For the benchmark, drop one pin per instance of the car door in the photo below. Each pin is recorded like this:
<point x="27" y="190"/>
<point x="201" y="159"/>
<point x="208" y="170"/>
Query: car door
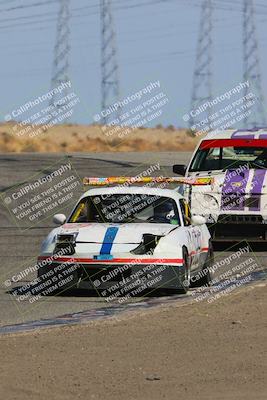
<point x="194" y="235"/>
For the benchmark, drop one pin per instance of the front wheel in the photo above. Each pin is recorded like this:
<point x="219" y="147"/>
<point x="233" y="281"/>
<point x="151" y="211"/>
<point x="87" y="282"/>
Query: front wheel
<point x="184" y="275"/>
<point x="205" y="278"/>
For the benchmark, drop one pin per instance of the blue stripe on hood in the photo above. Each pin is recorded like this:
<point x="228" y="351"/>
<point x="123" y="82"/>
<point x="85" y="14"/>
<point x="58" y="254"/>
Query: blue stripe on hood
<point x="108" y="240"/>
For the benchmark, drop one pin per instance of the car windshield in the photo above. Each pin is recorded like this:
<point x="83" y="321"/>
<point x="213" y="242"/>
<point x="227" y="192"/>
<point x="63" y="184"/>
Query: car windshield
<point x="216" y="157"/>
<point x="126" y="208"/>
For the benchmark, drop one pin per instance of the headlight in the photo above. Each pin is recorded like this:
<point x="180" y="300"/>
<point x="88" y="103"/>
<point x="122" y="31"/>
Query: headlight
<point x="205" y="201"/>
<point x="66" y="243"/>
<point x="148" y="244"/>
<point x="63" y="238"/>
<point x="211" y="202"/>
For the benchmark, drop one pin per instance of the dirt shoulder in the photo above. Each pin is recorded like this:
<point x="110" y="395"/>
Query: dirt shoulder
<point x="200" y="351"/>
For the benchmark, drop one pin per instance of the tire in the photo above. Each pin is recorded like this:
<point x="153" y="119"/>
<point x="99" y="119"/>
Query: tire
<point x="206" y="278"/>
<point x="184" y="275"/>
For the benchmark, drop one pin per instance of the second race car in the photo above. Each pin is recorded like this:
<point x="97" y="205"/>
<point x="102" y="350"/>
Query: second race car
<point x="235" y="205"/>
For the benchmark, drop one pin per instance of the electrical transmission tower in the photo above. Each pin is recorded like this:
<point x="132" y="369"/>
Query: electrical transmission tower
<point x="202" y="86"/>
<point x="252" y="67"/>
<point x="60" y="74"/>
<point x="109" y="65"/>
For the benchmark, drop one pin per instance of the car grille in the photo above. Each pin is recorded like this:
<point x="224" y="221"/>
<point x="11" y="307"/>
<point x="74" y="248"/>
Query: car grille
<point x="253" y="202"/>
<point x="240" y="219"/>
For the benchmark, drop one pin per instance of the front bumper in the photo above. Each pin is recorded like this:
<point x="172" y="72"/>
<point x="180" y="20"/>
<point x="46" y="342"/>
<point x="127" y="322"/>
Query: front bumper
<point x="123" y="275"/>
<point x="236" y="227"/>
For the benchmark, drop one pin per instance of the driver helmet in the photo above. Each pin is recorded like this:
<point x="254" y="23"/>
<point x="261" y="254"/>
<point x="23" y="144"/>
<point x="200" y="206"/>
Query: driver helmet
<point x="164" y="209"/>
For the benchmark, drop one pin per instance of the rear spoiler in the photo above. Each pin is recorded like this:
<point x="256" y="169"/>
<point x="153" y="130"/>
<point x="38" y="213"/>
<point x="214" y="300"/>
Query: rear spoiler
<point x="120" y="180"/>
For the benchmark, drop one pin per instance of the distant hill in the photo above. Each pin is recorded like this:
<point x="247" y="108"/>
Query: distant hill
<point x="92" y="138"/>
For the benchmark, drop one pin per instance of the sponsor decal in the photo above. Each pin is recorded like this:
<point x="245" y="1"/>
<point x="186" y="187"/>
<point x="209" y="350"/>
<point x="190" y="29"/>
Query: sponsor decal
<point x="234" y="190"/>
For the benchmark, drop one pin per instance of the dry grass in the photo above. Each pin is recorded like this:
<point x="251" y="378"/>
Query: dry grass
<point x="90" y="138"/>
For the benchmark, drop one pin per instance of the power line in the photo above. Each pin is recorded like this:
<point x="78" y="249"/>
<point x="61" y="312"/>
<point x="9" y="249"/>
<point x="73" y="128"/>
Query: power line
<point x="109" y="64"/>
<point x="60" y="74"/>
<point x="82" y="9"/>
<point x="37" y="4"/>
<point x="252" y="67"/>
<point x="202" y="91"/>
<point x="96" y="12"/>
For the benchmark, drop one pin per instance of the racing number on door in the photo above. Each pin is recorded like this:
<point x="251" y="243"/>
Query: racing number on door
<point x="197" y="238"/>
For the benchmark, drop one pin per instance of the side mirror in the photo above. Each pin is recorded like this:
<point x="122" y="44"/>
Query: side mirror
<point x="59" y="219"/>
<point x="198" y="220"/>
<point x="179" y="169"/>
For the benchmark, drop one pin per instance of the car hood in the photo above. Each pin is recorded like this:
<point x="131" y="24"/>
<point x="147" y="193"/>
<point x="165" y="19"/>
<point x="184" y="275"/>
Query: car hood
<point x="115" y="233"/>
<point x="253" y="181"/>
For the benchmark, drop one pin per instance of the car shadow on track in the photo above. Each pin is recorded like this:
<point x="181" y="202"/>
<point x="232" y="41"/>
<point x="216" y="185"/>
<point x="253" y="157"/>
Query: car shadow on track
<point x="87" y="293"/>
<point x="230" y="246"/>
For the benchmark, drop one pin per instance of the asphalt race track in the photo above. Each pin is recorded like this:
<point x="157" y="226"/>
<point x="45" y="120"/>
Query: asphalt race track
<point x="21" y="246"/>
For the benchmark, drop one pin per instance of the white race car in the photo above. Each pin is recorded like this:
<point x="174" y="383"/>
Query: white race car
<point x="235" y="205"/>
<point x="137" y="236"/>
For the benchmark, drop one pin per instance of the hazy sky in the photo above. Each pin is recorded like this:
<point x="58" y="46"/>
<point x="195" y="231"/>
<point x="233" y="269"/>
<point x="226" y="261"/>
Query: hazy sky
<point x="155" y="42"/>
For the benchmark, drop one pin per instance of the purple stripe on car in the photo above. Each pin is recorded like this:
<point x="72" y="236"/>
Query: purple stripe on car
<point x="246" y="135"/>
<point x="235" y="135"/>
<point x="256" y="189"/>
<point x="233" y="190"/>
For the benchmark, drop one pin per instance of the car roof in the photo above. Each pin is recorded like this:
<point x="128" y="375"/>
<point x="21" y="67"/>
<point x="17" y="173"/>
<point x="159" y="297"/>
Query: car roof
<point x="227" y="134"/>
<point x="173" y="194"/>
